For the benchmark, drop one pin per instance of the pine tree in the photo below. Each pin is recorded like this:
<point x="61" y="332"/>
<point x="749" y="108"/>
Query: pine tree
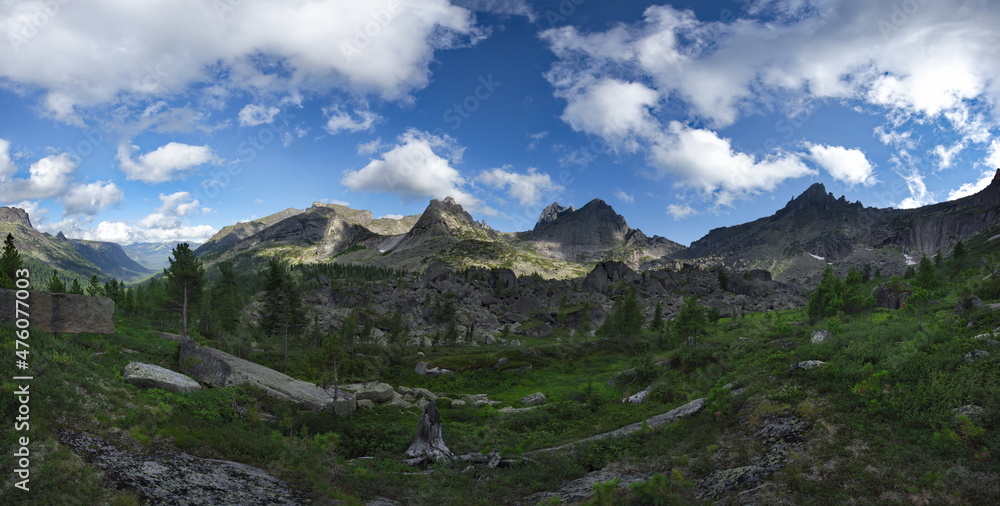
<point x="10" y="262"/>
<point x="56" y="284"/>
<point x="185" y="280"/>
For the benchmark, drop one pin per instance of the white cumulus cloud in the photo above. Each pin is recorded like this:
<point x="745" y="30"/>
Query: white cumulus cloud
<point x="254" y="114"/>
<point x="340" y="121"/>
<point x="681" y="211"/>
<point x="708" y="163"/>
<point x="414" y="169"/>
<point x="166" y="163"/>
<point x="91" y="198"/>
<point x="849" y="166"/>
<point x="973" y="188"/>
<point x="527" y="189"/>
<point x="47" y="177"/>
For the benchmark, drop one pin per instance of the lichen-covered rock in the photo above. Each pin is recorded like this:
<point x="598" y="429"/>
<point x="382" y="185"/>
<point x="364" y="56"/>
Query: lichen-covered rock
<point x="783" y="434"/>
<point x="180" y="479"/>
<point x="975" y="355"/>
<point x="806" y="365"/>
<point x="534" y="399"/>
<point x="819" y="336"/>
<point x="365" y="404"/>
<point x="154" y="376"/>
<point x="639" y="397"/>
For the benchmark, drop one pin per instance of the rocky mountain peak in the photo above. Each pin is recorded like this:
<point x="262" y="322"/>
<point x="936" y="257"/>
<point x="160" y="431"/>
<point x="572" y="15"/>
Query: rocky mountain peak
<point x="61" y="236"/>
<point x="14" y="215"/>
<point x="553" y="212"/>
<point x="814" y="198"/>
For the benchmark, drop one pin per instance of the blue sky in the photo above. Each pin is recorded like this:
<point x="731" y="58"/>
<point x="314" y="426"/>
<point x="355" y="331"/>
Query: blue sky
<point x="167" y="120"/>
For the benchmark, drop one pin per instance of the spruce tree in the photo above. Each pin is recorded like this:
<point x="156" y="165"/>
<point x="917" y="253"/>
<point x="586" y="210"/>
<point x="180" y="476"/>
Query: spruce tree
<point x="75" y="287"/>
<point x="10" y="262"/>
<point x="625" y="321"/>
<point x="185" y="280"/>
<point x="224" y="298"/>
<point x="926" y="277"/>
<point x="56" y="284"/>
<point x="94" y="287"/>
<point x="586" y="326"/>
<point x="283" y="312"/>
<point x="959" y="251"/>
<point x="691" y="321"/>
<point x="657" y="324"/>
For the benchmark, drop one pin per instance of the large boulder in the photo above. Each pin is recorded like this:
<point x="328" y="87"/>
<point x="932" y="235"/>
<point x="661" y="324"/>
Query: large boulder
<point x="219" y="369"/>
<point x="437" y="272"/>
<point x="154" y="376"/>
<point x="534" y="399"/>
<point x="342" y="402"/>
<point x="61" y="312"/>
<point x="379" y="393"/>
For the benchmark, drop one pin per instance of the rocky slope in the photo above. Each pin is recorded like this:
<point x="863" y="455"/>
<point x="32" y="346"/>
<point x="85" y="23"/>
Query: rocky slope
<point x="55" y="252"/>
<point x="233" y="234"/>
<point x="530" y="305"/>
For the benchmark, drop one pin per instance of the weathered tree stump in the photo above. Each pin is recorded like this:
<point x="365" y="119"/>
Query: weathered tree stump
<point x="429" y="446"/>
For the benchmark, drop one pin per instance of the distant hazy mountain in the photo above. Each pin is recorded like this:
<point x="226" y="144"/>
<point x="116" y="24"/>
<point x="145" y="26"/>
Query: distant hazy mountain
<point x="110" y="258"/>
<point x="152" y="255"/>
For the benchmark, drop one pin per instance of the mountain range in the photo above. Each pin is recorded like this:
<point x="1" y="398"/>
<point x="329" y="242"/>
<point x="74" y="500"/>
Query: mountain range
<point x="795" y="243"/>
